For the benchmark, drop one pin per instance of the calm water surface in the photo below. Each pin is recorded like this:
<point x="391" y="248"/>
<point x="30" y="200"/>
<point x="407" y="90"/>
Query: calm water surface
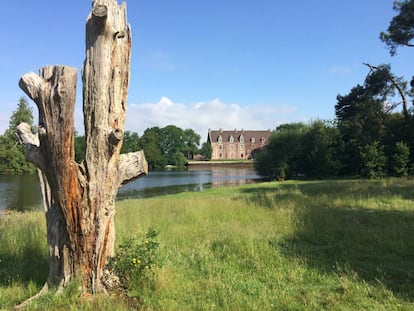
<point x="23" y="192"/>
<point x="20" y="192"/>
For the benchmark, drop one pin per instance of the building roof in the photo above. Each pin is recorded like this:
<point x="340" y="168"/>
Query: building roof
<point x="248" y="135"/>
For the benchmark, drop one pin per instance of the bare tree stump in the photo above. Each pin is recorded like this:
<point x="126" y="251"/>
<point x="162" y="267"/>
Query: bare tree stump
<point x="79" y="199"/>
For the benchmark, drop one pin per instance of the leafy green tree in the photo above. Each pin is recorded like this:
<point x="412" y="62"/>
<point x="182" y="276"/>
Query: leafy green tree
<point x="80" y="147"/>
<point x="280" y="159"/>
<point x="318" y="150"/>
<point x="177" y="159"/>
<point x="373" y="160"/>
<point x="12" y="155"/>
<point x="271" y="164"/>
<point x="362" y="116"/>
<point x="400" y="32"/>
<point x="353" y="126"/>
<point x="394" y="130"/>
<point x="150" y="142"/>
<point x="173" y="145"/>
<point x="206" y="150"/>
<point x="298" y="149"/>
<point x="23" y="113"/>
<point x="131" y="142"/>
<point x="192" y="142"/>
<point x="292" y="127"/>
<point x="168" y="145"/>
<point x="399" y="161"/>
<point x="384" y="85"/>
<point x="12" y="160"/>
<point x="398" y="130"/>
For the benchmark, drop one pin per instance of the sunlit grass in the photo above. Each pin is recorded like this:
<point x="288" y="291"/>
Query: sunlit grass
<point x="308" y="245"/>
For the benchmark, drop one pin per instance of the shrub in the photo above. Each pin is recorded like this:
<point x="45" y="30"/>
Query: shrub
<point x="400" y="159"/>
<point x="373" y="160"/>
<point x="135" y="261"/>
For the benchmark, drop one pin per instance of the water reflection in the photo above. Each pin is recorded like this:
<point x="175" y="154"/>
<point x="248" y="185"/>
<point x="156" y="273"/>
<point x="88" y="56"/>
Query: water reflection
<point x="19" y="192"/>
<point x="23" y="192"/>
<point x="157" y="191"/>
<point x="170" y="182"/>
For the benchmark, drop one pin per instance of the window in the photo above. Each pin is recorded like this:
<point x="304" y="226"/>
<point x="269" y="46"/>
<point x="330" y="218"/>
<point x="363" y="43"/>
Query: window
<point x="241" y="139"/>
<point x="241" y="147"/>
<point x="253" y="140"/>
<point x="231" y="139"/>
<point x="219" y="139"/>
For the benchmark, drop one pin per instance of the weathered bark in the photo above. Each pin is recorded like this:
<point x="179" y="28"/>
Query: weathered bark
<point x="54" y="92"/>
<point x="79" y="199"/>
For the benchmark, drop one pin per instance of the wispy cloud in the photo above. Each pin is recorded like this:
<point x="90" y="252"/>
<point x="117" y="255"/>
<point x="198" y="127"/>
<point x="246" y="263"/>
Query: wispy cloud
<point x="199" y="116"/>
<point x="339" y="70"/>
<point x="213" y="114"/>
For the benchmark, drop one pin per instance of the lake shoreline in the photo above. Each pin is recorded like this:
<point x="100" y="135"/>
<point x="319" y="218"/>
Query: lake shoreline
<point x="22" y="193"/>
<point x="197" y="165"/>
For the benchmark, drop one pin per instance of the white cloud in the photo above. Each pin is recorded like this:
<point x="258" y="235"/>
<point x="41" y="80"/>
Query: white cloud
<point x="199" y="116"/>
<point x="213" y="114"/>
<point x="339" y="70"/>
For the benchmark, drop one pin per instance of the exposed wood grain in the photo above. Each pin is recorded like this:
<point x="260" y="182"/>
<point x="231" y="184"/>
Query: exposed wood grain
<point x="80" y="198"/>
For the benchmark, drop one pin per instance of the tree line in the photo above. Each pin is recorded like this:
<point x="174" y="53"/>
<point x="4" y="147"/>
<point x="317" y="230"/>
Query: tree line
<point x="367" y="138"/>
<point x="169" y="145"/>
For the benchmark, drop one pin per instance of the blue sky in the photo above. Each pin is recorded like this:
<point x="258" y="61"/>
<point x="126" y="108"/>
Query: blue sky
<point x="251" y="64"/>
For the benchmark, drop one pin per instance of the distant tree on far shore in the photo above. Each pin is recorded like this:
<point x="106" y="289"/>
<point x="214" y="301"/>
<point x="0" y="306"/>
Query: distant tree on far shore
<point x="12" y="156"/>
<point x="206" y="150"/>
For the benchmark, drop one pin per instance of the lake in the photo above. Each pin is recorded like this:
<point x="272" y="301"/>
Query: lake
<point x="22" y="192"/>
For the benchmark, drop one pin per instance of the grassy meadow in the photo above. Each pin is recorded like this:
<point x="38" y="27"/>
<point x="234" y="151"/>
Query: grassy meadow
<point x="294" y="245"/>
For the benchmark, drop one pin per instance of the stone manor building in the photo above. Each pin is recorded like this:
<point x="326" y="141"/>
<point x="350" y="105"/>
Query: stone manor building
<point x="236" y="145"/>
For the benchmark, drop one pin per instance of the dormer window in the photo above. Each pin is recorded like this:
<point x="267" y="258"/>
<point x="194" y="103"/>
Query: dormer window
<point x="219" y="139"/>
<point x="262" y="140"/>
<point x="231" y="139"/>
<point x="241" y="139"/>
<point x="253" y="140"/>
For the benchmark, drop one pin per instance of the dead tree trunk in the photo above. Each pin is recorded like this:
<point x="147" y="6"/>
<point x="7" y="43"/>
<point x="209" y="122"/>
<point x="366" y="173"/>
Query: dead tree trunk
<point x="79" y="199"/>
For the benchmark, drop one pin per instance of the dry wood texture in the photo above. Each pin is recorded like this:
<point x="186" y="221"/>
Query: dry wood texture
<point x="79" y="199"/>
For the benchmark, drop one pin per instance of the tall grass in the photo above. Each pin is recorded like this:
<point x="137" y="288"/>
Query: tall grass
<point x="23" y="256"/>
<point x="324" y="245"/>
